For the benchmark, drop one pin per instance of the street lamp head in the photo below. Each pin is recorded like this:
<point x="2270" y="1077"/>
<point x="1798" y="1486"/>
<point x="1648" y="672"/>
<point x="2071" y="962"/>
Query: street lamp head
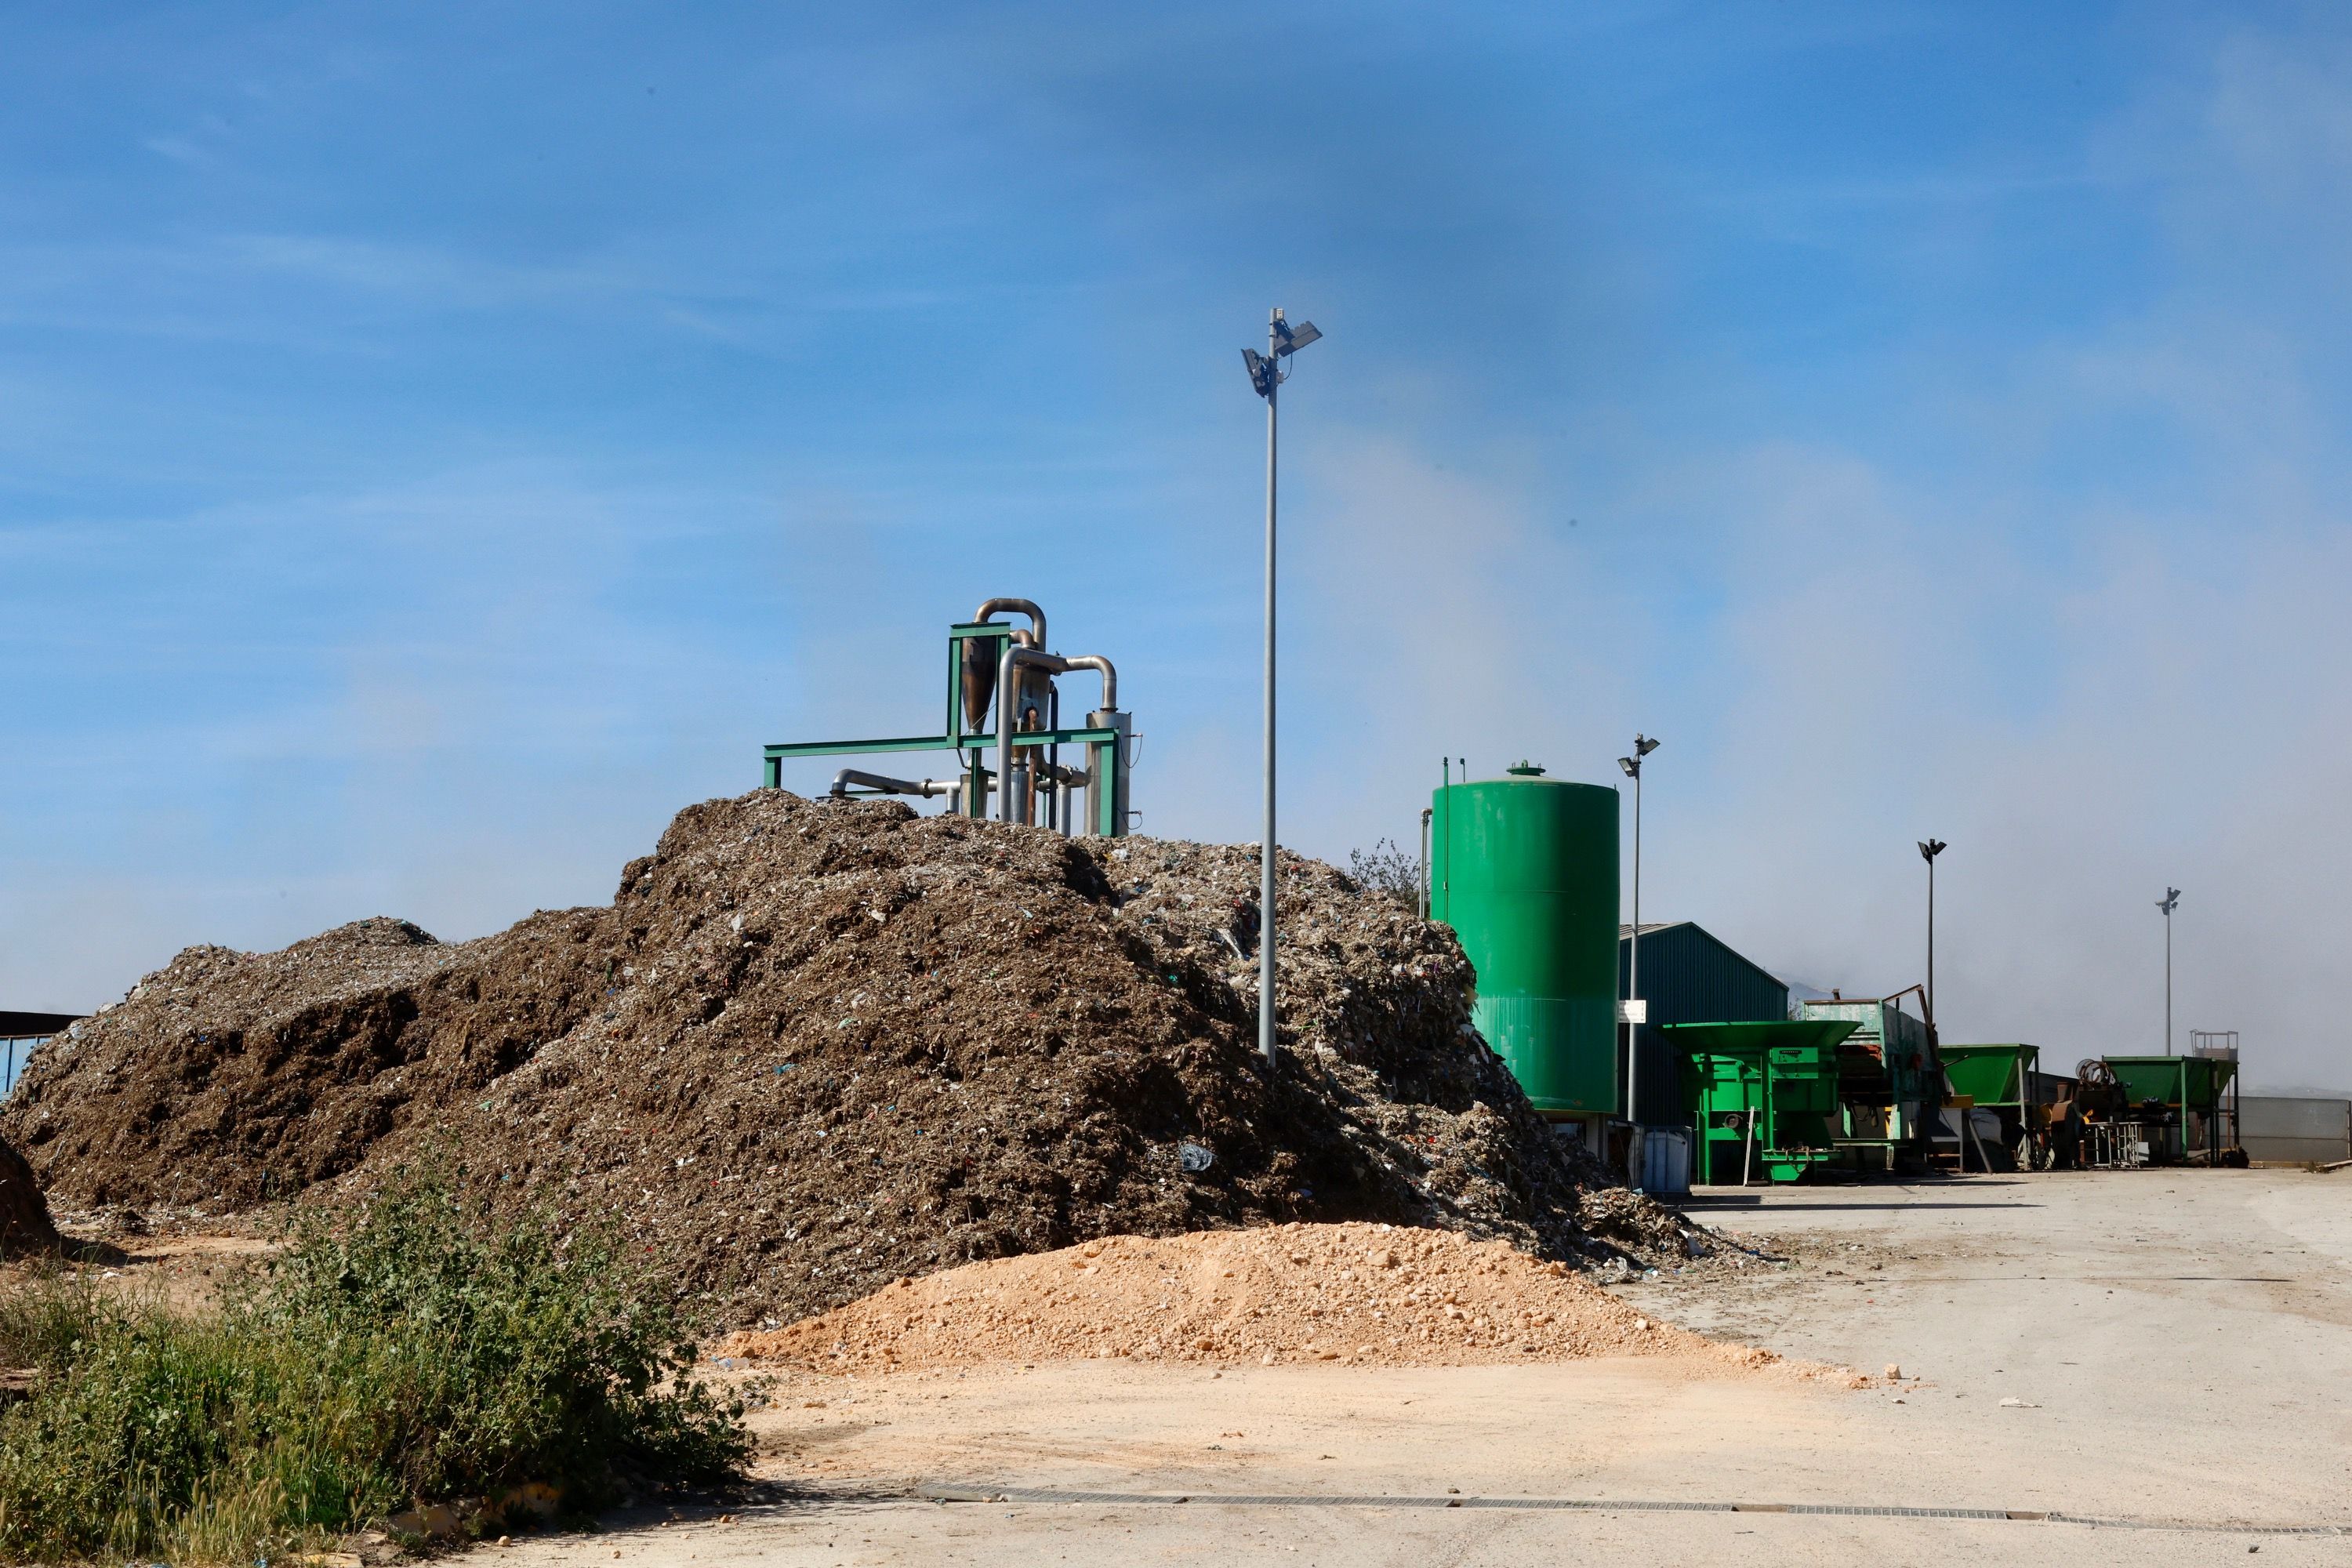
<point x="1633" y="768"/>
<point x="1644" y="744"/>
<point x="1931" y="848"/>
<point x="1294" y="338"/>
<point x="1263" y="373"/>
<point x="2170" y="901"/>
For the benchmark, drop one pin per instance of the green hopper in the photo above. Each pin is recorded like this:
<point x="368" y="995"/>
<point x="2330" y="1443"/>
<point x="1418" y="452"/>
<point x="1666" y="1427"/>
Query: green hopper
<point x="1764" y="1096"/>
<point x="2189" y="1089"/>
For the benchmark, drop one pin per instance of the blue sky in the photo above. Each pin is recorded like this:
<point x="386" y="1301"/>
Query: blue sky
<point x="435" y="445"/>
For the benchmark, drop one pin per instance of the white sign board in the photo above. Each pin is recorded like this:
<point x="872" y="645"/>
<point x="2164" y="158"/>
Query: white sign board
<point x="1635" y="1011"/>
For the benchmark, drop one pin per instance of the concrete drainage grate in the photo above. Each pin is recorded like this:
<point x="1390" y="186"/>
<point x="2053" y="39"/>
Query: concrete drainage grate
<point x="1595" y="1505"/>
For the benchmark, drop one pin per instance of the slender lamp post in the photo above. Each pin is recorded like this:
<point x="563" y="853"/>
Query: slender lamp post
<point x="1642" y="746"/>
<point x="1266" y="376"/>
<point x="2170" y="901"/>
<point x="1929" y="849"/>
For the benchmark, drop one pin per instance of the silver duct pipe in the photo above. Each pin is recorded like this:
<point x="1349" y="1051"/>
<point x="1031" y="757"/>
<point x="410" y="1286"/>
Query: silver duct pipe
<point x="1110" y="676"/>
<point x="1072" y="782"/>
<point x="1017" y="607"/>
<point x="1083" y="826"/>
<point x="952" y="788"/>
<point x="1011" y="786"/>
<point x="977" y="675"/>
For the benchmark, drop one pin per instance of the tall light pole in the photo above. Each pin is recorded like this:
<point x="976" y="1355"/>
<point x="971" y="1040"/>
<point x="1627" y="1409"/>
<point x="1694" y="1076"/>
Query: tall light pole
<point x="1266" y="376"/>
<point x="1929" y="849"/>
<point x="1642" y="746"/>
<point x="2170" y="901"/>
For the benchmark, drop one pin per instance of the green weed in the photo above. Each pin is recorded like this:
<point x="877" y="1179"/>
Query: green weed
<point x="415" y="1352"/>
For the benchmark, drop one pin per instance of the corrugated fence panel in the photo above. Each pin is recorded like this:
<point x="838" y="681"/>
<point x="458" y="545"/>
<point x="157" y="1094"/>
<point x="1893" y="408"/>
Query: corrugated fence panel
<point x="2290" y="1129"/>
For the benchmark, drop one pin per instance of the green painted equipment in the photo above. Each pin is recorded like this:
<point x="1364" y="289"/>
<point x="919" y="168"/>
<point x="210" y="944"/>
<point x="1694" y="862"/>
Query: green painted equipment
<point x="1998" y="1079"/>
<point x="1524" y="868"/>
<point x="1765" y="1095"/>
<point x="1888" y="1083"/>
<point x="1991" y="1075"/>
<point x="994" y="665"/>
<point x="2178" y="1100"/>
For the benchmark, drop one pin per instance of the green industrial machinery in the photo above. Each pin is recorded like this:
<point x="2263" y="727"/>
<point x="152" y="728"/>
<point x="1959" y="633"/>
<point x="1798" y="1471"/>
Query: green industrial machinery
<point x="1998" y="1079"/>
<point x="1764" y="1097"/>
<point x="2179" y="1104"/>
<point x="1524" y="868"/>
<point x="1890" y="1089"/>
<point x="994" y="666"/>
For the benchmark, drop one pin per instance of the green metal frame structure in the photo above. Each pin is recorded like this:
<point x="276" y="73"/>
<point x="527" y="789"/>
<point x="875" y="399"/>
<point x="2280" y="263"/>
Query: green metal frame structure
<point x="1762" y="1094"/>
<point x="1105" y="760"/>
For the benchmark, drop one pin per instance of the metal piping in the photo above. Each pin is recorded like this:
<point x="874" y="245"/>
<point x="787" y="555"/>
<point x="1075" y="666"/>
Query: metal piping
<point x="1426" y="812"/>
<point x="1012" y="793"/>
<point x="1019" y="608"/>
<point x="952" y="788"/>
<point x="1110" y="676"/>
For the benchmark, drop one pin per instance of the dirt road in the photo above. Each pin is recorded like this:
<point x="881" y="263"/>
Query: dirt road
<point x="2166" y="1354"/>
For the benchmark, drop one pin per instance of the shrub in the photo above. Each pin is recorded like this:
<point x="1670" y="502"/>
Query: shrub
<point x="1388" y="871"/>
<point x="416" y="1352"/>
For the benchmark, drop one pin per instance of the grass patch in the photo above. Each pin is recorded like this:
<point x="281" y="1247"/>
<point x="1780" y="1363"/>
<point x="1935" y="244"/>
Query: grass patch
<point x="415" y="1353"/>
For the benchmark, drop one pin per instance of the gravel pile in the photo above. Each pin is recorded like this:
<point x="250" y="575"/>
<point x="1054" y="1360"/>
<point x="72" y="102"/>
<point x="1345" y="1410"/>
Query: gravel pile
<point x="1363" y="1294"/>
<point x="814" y="1046"/>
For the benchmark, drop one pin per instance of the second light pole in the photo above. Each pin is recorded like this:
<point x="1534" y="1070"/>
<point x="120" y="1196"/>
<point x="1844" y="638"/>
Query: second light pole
<point x="2169" y="902"/>
<point x="1929" y="849"/>
<point x="1266" y="374"/>
<point x="1635" y="1008"/>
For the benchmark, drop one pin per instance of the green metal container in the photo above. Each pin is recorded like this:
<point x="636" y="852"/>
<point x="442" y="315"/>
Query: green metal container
<point x="2192" y="1083"/>
<point x="1991" y="1075"/>
<point x="1889" y="1084"/>
<point x="1524" y="868"/>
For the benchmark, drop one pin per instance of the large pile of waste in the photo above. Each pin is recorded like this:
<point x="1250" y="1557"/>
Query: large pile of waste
<point x="24" y="1225"/>
<point x="814" y="1046"/>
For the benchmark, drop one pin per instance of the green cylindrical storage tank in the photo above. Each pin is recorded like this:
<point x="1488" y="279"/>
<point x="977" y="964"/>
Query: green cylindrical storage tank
<point x="1524" y="868"/>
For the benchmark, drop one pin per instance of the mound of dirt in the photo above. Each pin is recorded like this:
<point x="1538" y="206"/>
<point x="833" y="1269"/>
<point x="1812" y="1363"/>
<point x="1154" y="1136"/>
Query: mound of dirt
<point x="814" y="1046"/>
<point x="1364" y="1294"/>
<point x="24" y="1225"/>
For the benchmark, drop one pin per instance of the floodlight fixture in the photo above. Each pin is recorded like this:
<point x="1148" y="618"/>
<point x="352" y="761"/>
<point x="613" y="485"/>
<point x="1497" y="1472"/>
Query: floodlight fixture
<point x="1931" y="847"/>
<point x="1263" y="371"/>
<point x="1644" y="744"/>
<point x="2170" y="901"/>
<point x="1294" y="338"/>
<point x="1633" y="768"/>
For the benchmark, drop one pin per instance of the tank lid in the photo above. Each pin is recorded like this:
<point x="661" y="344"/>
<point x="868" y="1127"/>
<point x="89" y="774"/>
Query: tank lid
<point x="1523" y="769"/>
